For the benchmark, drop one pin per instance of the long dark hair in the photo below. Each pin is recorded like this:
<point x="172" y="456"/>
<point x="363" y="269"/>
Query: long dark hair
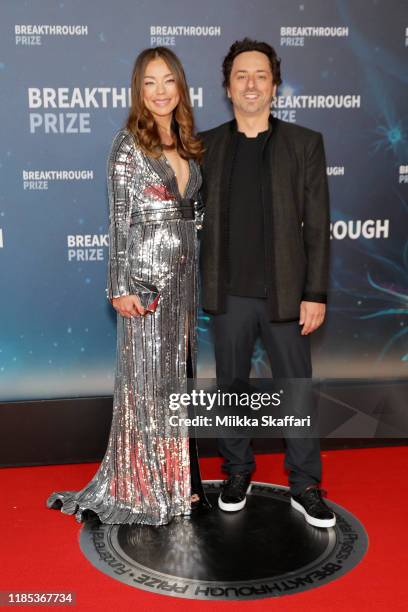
<point x="140" y="120"/>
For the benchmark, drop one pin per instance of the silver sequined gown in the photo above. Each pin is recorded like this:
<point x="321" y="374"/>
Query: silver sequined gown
<point x="144" y="476"/>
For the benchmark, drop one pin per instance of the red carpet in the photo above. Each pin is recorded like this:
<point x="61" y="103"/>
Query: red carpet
<point x="41" y="552"/>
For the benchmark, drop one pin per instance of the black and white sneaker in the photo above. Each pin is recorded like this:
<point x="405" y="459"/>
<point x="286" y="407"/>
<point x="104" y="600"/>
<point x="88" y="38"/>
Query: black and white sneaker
<point x="234" y="490"/>
<point x="311" y="504"/>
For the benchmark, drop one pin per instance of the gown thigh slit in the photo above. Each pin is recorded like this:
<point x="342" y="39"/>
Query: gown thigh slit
<point x="150" y="466"/>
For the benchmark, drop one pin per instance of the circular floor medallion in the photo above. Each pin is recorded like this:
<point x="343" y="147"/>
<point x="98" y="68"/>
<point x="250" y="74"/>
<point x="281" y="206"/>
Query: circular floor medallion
<point x="265" y="550"/>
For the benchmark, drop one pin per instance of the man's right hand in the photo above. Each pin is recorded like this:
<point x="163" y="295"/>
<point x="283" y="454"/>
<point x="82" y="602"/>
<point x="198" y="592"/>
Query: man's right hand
<point x="128" y="306"/>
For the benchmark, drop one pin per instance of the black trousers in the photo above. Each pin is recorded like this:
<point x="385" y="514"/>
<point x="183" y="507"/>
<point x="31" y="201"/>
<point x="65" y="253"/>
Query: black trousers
<point x="235" y="334"/>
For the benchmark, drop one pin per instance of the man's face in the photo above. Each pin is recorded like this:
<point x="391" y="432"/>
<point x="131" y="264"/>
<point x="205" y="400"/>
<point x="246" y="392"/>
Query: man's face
<point x="251" y="86"/>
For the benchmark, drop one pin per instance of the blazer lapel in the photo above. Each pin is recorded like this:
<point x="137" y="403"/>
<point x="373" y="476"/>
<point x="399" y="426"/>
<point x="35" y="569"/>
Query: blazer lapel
<point x="217" y="173"/>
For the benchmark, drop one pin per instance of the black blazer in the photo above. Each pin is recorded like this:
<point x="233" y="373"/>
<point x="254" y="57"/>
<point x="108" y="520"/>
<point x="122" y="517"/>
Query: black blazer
<point x="295" y="201"/>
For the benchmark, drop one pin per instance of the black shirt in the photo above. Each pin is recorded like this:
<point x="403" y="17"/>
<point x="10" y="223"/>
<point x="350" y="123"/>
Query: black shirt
<point x="246" y="253"/>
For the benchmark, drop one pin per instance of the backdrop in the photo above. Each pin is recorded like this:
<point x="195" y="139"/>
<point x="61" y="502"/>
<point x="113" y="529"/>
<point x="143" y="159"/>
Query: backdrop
<point x="65" y="73"/>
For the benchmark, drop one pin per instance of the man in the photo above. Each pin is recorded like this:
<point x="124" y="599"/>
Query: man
<point x="264" y="257"/>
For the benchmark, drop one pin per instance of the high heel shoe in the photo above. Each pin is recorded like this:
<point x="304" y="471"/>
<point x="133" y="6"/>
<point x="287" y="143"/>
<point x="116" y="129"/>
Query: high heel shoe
<point x="196" y="503"/>
<point x="196" y="483"/>
<point x="200" y="503"/>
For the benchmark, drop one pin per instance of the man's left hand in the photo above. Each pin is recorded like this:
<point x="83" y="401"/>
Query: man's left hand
<point x="311" y="316"/>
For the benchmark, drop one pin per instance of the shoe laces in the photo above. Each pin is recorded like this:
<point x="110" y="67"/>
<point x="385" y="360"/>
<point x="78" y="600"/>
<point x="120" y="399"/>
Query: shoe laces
<point x="315" y="495"/>
<point x="235" y="482"/>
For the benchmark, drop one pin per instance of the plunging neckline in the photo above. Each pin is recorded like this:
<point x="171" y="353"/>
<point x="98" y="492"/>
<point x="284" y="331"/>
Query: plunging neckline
<point x="167" y="162"/>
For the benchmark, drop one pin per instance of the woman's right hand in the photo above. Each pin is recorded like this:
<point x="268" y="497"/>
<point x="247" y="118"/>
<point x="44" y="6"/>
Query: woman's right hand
<point x="128" y="306"/>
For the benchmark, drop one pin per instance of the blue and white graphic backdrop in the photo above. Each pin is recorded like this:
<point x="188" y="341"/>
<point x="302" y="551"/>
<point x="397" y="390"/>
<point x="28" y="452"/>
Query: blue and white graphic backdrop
<point x="65" y="73"/>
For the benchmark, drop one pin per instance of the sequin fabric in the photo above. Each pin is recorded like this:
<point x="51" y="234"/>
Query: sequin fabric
<point x="144" y="476"/>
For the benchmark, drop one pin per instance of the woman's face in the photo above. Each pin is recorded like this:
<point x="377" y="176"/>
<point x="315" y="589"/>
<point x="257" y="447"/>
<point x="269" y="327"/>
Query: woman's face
<point x="160" y="92"/>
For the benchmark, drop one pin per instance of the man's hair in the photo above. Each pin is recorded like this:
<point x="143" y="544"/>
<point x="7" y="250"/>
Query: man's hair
<point x="247" y="44"/>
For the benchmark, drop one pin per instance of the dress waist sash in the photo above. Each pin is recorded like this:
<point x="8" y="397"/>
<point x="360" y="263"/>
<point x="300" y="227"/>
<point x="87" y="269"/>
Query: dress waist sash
<point x="181" y="209"/>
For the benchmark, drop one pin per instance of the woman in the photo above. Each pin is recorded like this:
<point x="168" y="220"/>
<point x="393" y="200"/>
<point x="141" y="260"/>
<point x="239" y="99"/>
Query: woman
<point x="153" y="183"/>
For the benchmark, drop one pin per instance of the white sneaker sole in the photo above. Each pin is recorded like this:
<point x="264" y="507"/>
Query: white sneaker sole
<point x="310" y="519"/>
<point x="233" y="507"/>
